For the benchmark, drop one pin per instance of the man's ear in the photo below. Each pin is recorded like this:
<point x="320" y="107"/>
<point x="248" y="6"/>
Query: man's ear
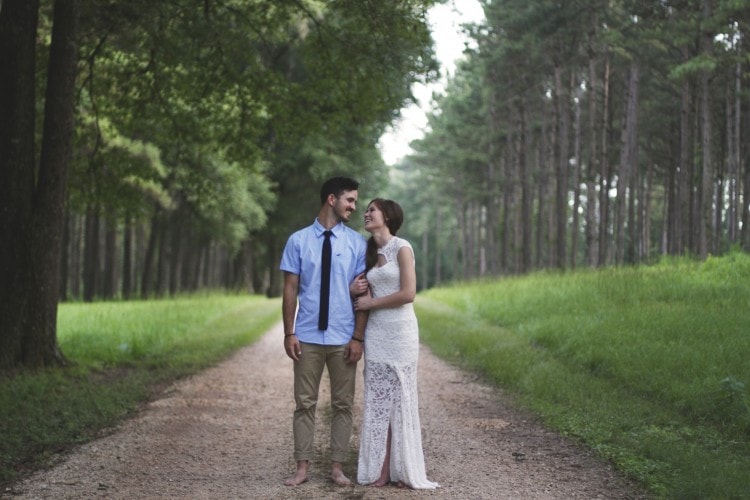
<point x="331" y="199"/>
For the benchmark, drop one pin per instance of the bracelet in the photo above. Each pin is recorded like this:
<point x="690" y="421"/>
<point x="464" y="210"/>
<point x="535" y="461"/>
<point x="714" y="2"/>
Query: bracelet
<point x="358" y="340"/>
<point x="288" y="335"/>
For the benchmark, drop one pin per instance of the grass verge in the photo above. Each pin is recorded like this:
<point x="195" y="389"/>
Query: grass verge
<point x="121" y="354"/>
<point x="648" y="366"/>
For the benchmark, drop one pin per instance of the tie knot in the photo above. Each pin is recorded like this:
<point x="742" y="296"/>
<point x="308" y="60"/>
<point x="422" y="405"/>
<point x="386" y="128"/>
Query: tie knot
<point x="327" y="233"/>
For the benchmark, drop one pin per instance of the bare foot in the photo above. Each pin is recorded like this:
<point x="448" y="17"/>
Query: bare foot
<point x="300" y="476"/>
<point x="380" y="483"/>
<point x="338" y="477"/>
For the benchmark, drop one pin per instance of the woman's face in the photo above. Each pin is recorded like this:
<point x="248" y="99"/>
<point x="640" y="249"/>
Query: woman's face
<point x="374" y="218"/>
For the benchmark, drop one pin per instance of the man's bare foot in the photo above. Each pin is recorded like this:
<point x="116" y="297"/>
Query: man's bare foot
<point x="338" y="477"/>
<point x="300" y="476"/>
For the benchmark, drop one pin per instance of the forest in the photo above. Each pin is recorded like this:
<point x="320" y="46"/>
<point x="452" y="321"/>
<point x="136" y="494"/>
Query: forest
<point x="155" y="148"/>
<point x="586" y="133"/>
<point x="150" y="149"/>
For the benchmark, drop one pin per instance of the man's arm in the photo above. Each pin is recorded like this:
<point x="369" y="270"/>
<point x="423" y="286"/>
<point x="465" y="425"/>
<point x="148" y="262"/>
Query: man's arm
<point x="288" y="312"/>
<point x="356" y="345"/>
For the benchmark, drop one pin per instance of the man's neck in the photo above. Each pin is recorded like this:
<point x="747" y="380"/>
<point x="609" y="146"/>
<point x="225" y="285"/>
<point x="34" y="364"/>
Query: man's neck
<point x="327" y="217"/>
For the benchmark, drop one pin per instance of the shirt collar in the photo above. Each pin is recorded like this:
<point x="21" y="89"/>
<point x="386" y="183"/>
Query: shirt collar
<point x="319" y="229"/>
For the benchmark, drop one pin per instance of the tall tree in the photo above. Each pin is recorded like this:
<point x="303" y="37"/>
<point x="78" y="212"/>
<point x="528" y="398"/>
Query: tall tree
<point x="33" y="223"/>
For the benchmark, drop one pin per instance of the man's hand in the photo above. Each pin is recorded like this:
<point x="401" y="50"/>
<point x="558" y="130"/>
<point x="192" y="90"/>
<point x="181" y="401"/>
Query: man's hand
<point x="292" y="347"/>
<point x="353" y="351"/>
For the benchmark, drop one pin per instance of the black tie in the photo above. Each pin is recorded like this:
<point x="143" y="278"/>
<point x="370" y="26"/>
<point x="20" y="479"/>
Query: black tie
<point x="325" y="281"/>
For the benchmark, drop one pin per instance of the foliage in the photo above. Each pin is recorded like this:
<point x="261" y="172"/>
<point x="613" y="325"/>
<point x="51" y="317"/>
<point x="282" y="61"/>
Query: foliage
<point x="646" y="365"/>
<point x="572" y="133"/>
<point x="248" y="103"/>
<point x="121" y="353"/>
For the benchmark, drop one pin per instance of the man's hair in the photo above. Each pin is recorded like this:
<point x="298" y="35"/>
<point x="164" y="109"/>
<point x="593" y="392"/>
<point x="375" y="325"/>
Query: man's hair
<point x="336" y="186"/>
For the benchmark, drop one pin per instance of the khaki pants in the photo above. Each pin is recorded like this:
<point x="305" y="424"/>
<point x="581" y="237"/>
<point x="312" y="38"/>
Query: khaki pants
<point x="307" y="375"/>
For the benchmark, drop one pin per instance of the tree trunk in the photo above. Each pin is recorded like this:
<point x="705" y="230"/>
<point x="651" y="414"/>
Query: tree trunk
<point x="745" y="235"/>
<point x="576" y="180"/>
<point x="76" y="257"/>
<point x="604" y="180"/>
<point x="175" y="252"/>
<point x="273" y="283"/>
<point x="109" y="270"/>
<point x="424" y="265"/>
<point x="542" y="193"/>
<point x="734" y="108"/>
<point x="526" y="191"/>
<point x="147" y="273"/>
<point x="471" y="237"/>
<point x="208" y="259"/>
<point x="495" y="263"/>
<point x="91" y="256"/>
<point x="438" y="246"/>
<point x="562" y="162"/>
<point x="65" y="258"/>
<point x="645" y="211"/>
<point x="632" y="219"/>
<point x="705" y="197"/>
<point x="127" y="259"/>
<point x="682" y="198"/>
<point x="18" y="24"/>
<point x="592" y="159"/>
<point x="162" y="253"/>
<point x="627" y="161"/>
<point x="507" y="204"/>
<point x="39" y="347"/>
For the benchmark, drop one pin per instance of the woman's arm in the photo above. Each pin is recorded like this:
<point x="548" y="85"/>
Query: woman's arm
<point x="407" y="290"/>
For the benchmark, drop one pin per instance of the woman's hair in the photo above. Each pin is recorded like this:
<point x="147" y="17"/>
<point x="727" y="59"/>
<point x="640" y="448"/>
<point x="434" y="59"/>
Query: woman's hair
<point x="394" y="217"/>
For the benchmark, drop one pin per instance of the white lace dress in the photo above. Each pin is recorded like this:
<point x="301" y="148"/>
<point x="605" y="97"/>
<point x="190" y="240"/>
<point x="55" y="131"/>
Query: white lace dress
<point x="390" y="389"/>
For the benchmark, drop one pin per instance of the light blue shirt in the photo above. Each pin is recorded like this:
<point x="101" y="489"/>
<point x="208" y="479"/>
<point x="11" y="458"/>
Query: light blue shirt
<point x="302" y="256"/>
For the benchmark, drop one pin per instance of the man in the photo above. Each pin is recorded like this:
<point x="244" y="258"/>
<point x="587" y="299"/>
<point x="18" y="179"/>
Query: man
<point x="327" y="332"/>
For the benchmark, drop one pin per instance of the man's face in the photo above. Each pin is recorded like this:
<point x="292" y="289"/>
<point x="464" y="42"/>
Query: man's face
<point x="344" y="205"/>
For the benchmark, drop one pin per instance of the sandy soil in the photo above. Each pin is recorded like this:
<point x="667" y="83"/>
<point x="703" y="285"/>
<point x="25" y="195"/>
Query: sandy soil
<point x="226" y="433"/>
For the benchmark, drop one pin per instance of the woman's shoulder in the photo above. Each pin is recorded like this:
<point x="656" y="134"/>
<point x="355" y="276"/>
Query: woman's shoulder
<point x="400" y="242"/>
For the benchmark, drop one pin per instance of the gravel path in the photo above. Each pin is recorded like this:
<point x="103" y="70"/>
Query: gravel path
<point x="226" y="434"/>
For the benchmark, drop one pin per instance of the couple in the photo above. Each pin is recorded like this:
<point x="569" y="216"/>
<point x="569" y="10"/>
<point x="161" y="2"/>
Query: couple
<point x="366" y="307"/>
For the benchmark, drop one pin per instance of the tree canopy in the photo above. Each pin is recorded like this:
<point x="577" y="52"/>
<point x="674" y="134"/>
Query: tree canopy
<point x="182" y="129"/>
<point x="586" y="133"/>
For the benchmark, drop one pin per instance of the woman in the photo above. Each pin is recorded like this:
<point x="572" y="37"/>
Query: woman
<point x="390" y="447"/>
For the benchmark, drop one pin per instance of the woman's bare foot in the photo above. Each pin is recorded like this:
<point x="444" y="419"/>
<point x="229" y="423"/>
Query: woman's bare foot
<point x="338" y="476"/>
<point x="300" y="476"/>
<point x="380" y="482"/>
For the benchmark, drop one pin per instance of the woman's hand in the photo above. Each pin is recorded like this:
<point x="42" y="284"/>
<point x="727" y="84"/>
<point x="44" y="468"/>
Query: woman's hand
<point x="359" y="286"/>
<point x="364" y="302"/>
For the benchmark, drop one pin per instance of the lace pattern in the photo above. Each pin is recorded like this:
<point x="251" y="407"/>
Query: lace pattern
<point x="390" y="392"/>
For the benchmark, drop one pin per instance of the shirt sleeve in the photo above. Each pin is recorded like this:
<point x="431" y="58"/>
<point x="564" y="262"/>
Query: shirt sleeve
<point x="290" y="258"/>
<point x="361" y="251"/>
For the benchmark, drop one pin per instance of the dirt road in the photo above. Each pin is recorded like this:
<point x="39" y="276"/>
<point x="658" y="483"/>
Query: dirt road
<point x="226" y="434"/>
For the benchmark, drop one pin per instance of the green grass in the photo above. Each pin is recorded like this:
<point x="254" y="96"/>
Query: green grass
<point x="649" y="366"/>
<point x="120" y="354"/>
